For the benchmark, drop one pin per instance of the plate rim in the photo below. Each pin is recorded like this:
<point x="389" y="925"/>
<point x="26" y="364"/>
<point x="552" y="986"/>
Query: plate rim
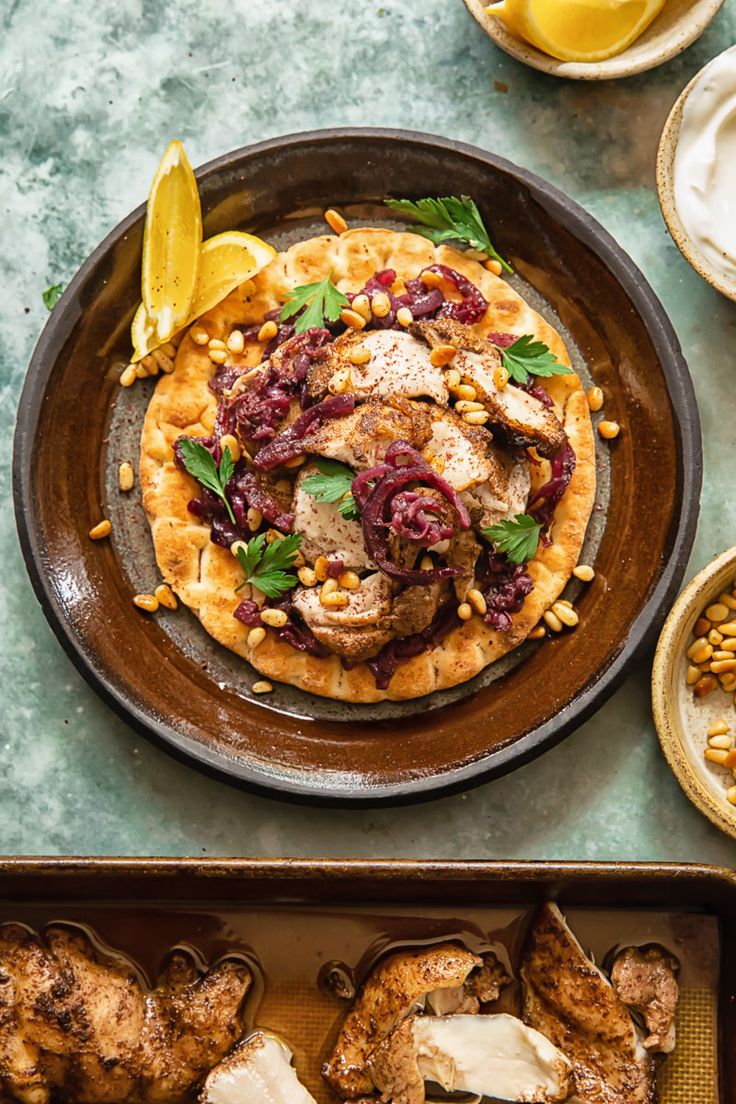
<point x="219" y="764"/>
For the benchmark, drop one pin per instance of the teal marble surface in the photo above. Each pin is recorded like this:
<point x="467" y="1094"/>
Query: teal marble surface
<point x="90" y="95"/>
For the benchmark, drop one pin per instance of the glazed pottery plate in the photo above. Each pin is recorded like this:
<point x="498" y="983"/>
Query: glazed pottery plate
<point x="167" y="677"/>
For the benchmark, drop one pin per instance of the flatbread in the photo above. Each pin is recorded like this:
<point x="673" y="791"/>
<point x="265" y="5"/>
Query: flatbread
<point x="204" y="575"/>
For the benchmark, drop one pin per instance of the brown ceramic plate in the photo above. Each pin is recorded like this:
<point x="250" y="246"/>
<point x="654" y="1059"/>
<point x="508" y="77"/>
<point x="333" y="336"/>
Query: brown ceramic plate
<point x="168" y="678"/>
<point x="344" y="915"/>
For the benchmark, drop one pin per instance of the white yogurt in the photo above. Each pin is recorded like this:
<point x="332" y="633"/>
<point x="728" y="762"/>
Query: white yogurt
<point x="705" y="164"/>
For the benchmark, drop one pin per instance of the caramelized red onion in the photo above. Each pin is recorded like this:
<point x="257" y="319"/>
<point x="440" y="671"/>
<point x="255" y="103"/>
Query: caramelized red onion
<point x="543" y="503"/>
<point x="290" y="443"/>
<point x="504" y="585"/>
<point x="397" y="652"/>
<point x="294" y="632"/>
<point x="415" y="517"/>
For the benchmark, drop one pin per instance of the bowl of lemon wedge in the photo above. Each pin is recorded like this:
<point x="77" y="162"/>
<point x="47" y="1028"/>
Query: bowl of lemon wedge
<point x="593" y="39"/>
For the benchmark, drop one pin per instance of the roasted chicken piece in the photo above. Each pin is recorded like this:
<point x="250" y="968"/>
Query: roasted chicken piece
<point x="396" y="987"/>
<point x="360" y="439"/>
<point x="324" y="531"/>
<point x="521" y="417"/>
<point x="506" y="492"/>
<point x="645" y="979"/>
<point x="78" y="1025"/>
<point x="569" y="1000"/>
<point x="258" y="1071"/>
<point x="496" y="1056"/>
<point x="462" y="453"/>
<point x="399" y="365"/>
<point x="357" y="630"/>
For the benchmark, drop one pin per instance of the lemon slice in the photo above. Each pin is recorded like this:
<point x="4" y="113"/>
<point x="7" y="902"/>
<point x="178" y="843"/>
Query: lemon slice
<point x="171" y="243"/>
<point x="225" y="262"/>
<point x="578" y="30"/>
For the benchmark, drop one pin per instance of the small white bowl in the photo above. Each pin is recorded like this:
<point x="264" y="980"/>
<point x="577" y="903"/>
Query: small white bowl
<point x="666" y="191"/>
<point x="678" y="25"/>
<point x="682" y="720"/>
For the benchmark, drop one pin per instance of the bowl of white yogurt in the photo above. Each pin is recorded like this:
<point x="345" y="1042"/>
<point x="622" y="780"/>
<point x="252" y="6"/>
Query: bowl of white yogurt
<point x="696" y="173"/>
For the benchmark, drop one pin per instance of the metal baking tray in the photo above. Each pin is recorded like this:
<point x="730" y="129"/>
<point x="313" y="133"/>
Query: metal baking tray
<point x="295" y="919"/>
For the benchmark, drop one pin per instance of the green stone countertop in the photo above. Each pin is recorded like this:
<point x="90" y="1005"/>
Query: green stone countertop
<point x="90" y="96"/>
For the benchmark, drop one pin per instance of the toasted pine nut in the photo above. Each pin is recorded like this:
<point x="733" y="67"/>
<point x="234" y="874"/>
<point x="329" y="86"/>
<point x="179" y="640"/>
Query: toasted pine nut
<point x="728" y="600"/>
<point x="426" y="563"/>
<point x="609" y="430"/>
<point x="721" y="654"/>
<point x="295" y="462"/>
<point x="477" y="601"/>
<point x="228" y="441"/>
<point x="362" y="304"/>
<point x="692" y="675"/>
<point x="705" y="685"/>
<point x="552" y="620"/>
<point x="349" y="580"/>
<point x="728" y="681"/>
<point x="717" y="612"/>
<point x="467" y="406"/>
<point x="716" y="755"/>
<point x="718" y="728"/>
<point x="126" y="476"/>
<point x="254" y="518"/>
<point x="166" y="596"/>
<point x="442" y="355"/>
<point x="256" y="636"/>
<point x="715" y="638"/>
<point x="329" y="586"/>
<point x="700" y="650"/>
<point x="335" y="221"/>
<point x="500" y="377"/>
<point x="199" y="336"/>
<point x="566" y="615"/>
<point x="380" y="304"/>
<point x="352" y="319"/>
<point x="730" y="762"/>
<point x="359" y="355"/>
<point x="728" y="629"/>
<point x="273" y="535"/>
<point x="101" y="530"/>
<point x="465" y="611"/>
<point x="466" y="391"/>
<point x="321" y="566"/>
<point x="728" y="645"/>
<point x="452" y="379"/>
<point x="236" y="342"/>
<point x="307" y="577"/>
<point x="701" y="627"/>
<point x="538" y="632"/>
<point x="268" y="331"/>
<point x="237" y="546"/>
<point x="216" y="343"/>
<point x="404" y="316"/>
<point x="164" y="362"/>
<point x="262" y="687"/>
<point x="339" y="381"/>
<point x="275" y="618"/>
<point x="430" y="279"/>
<point x="583" y="572"/>
<point x="338" y="599"/>
<point x="128" y="376"/>
<point x="141" y="372"/>
<point x="147" y="602"/>
<point x="731" y="795"/>
<point x="493" y="266"/>
<point x="721" y="665"/>
<point x="218" y="356"/>
<point x="723" y="743"/>
<point x="476" y="417"/>
<point x="595" y="399"/>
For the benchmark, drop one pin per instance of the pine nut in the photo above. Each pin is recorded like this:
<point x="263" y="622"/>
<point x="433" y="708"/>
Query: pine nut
<point x="295" y="462"/>
<point x="236" y="342"/>
<point x="722" y="665"/>
<point x="273" y="535"/>
<point x="467" y="406"/>
<point x="262" y="687"/>
<point x="566" y="615"/>
<point x="128" y="376"/>
<point x="716" y="755"/>
<point x="718" y="654"/>
<point x="583" y="572"/>
<point x="595" y="399"/>
<point x="728" y="600"/>
<point x="731" y="795"/>
<point x="552" y="621"/>
<point x="321" y="566"/>
<point x="466" y="391"/>
<point x="477" y="601"/>
<point x="442" y="355"/>
<point x="339" y="381"/>
<point x="705" y="685"/>
<point x="718" y="728"/>
<point x="361" y="355"/>
<point x="692" y="676"/>
<point x="464" y="611"/>
<point x="730" y="762"/>
<point x="426" y="563"/>
<point x="728" y="629"/>
<point x="254" y="518"/>
<point x="500" y="377"/>
<point x="404" y="316"/>
<point x="275" y="618"/>
<point x="361" y="304"/>
<point x="199" y="336"/>
<point x="493" y="266"/>
<point x="256" y="636"/>
<point x="476" y="417"/>
<point x="723" y="743"/>
<point x="147" y="602"/>
<point x="337" y="600"/>
<point x="380" y="304"/>
<point x="565" y="602"/>
<point x="352" y="319"/>
<point x="101" y="530"/>
<point x="218" y="356"/>
<point x="329" y="586"/>
<point x="166" y="596"/>
<point x="701" y="627"/>
<point x="141" y="372"/>
<point x="728" y="645"/>
<point x="268" y="331"/>
<point x="538" y="632"/>
<point x="307" y="577"/>
<point x="126" y="476"/>
<point x="349" y="580"/>
<point x="609" y="430"/>
<point x="700" y="650"/>
<point x="227" y="441"/>
<point x="164" y="362"/>
<point x="216" y="343"/>
<point x="717" y="612"/>
<point x="238" y="546"/>
<point x="430" y="279"/>
<point x="335" y="221"/>
<point x="150" y="364"/>
<point x="452" y="379"/>
<point x="728" y="681"/>
<point x="715" y="638"/>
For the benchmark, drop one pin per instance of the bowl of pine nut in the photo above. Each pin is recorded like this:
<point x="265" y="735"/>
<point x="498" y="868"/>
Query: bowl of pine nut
<point x="694" y="691"/>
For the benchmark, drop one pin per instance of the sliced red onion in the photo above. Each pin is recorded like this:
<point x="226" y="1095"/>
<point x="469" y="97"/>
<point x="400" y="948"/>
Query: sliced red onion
<point x="290" y="443"/>
<point x="504" y="585"/>
<point x="255" y="495"/>
<point x="415" y="517"/>
<point x="473" y="304"/>
<point x="543" y="503"/>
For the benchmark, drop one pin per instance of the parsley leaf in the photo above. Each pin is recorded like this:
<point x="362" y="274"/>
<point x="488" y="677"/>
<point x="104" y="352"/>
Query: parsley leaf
<point x="450" y="218"/>
<point x="518" y="537"/>
<point x="527" y="357"/>
<point x="52" y="295"/>
<point x="333" y="485"/>
<point x="323" y="303"/>
<point x="263" y="564"/>
<point x="200" y="464"/>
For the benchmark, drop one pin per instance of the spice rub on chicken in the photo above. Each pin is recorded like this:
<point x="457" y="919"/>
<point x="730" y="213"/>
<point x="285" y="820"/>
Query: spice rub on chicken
<point x="645" y="979"/>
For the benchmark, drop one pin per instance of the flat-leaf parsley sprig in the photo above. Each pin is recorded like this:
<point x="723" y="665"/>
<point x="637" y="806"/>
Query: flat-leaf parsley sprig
<point x="264" y="565"/>
<point x="449" y="218"/>
<point x="333" y="485"/>
<point x="528" y="357"/>
<point x="200" y="463"/>
<point x="323" y="303"/>
<point x="518" y="537"/>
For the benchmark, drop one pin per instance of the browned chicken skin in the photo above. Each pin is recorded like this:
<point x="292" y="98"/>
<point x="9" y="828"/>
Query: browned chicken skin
<point x="77" y="1024"/>
<point x="646" y="980"/>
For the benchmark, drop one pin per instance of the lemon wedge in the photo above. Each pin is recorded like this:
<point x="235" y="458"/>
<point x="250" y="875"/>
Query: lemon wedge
<point x="171" y="243"/>
<point x="225" y="261"/>
<point x="578" y="30"/>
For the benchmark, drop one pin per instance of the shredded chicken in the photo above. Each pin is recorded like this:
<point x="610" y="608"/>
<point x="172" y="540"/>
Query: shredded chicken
<point x="646" y="980"/>
<point x="399" y="365"/>
<point x="359" y="629"/>
<point x="360" y="439"/>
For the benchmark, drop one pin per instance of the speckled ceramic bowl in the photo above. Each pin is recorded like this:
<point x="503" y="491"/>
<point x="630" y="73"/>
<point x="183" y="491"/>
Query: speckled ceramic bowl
<point x="666" y="190"/>
<point x="678" y="25"/>
<point x="682" y="720"/>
